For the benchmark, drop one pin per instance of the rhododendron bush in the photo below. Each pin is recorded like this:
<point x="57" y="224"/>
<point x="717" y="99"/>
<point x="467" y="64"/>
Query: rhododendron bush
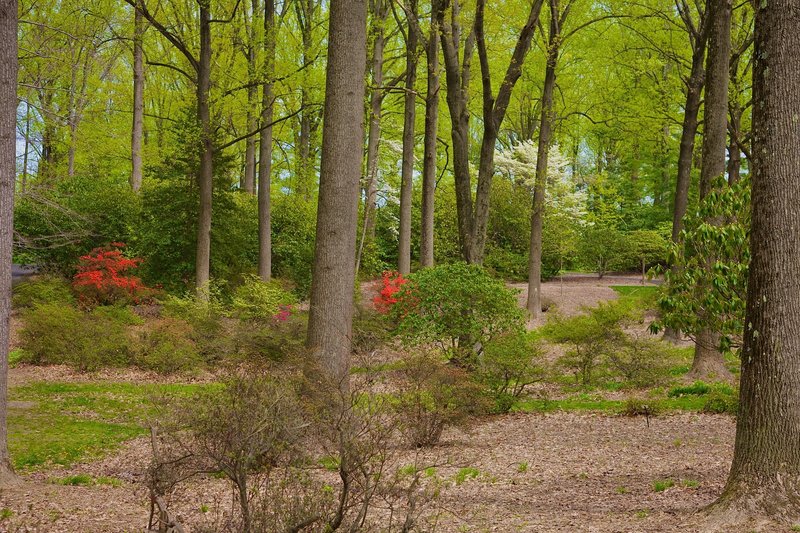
<point x="105" y="277"/>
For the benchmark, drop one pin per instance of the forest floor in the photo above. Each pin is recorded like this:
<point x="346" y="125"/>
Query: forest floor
<point x="559" y="471"/>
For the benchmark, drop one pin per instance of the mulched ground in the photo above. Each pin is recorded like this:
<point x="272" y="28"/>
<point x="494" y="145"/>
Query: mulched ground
<point x="560" y="472"/>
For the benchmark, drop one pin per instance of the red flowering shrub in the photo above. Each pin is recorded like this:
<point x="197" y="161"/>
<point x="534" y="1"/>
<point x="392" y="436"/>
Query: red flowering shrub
<point x="392" y="283"/>
<point x="104" y="277"/>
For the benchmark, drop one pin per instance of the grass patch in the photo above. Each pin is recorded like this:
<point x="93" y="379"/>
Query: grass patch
<point x="636" y="291"/>
<point x="85" y="480"/>
<point x="75" y="422"/>
<point x="466" y="473"/>
<point x="663" y="484"/>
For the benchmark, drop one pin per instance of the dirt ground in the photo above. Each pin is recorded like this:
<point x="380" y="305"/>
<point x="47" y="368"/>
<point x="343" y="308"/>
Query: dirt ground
<point x="561" y="472"/>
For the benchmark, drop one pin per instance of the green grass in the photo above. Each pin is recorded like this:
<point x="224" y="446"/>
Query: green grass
<point x="466" y="473"/>
<point x="65" y="423"/>
<point x="663" y="484"/>
<point x="85" y="480"/>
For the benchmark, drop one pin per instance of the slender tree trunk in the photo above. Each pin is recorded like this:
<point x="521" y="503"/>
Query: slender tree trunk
<point x="540" y="185"/>
<point x="331" y="312"/>
<point x="409" y="121"/>
<point x="206" y="172"/>
<point x="708" y="360"/>
<point x="764" y="480"/>
<point x="381" y="12"/>
<point x="27" y="148"/>
<point x="249" y="183"/>
<point x="304" y="186"/>
<point x="265" y="148"/>
<point x="429" y="158"/>
<point x="8" y="177"/>
<point x="138" y="101"/>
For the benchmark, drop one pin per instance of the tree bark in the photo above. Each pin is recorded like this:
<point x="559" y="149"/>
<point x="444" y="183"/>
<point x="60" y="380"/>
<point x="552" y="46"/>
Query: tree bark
<point x="381" y="12"/>
<point x="764" y="480"/>
<point x="249" y="182"/>
<point x="409" y="121"/>
<point x="429" y="158"/>
<point x="138" y="101"/>
<point x="265" y="148"/>
<point x="305" y="10"/>
<point x="540" y="185"/>
<point x="708" y="361"/>
<point x="206" y="171"/>
<point x="8" y="171"/>
<point x="333" y="276"/>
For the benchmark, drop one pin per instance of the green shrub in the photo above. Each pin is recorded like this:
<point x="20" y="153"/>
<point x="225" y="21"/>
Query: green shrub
<point x="258" y="300"/>
<point x="58" y="334"/>
<point x="640" y="407"/>
<point x="166" y="347"/>
<point x="508" y="365"/>
<point x="720" y="402"/>
<point x="458" y="306"/>
<point x="207" y="321"/>
<point x="44" y="289"/>
<point x="433" y="396"/>
<point x="641" y="361"/>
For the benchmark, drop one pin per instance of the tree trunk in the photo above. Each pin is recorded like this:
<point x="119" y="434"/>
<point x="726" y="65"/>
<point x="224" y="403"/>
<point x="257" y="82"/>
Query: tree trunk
<point x="305" y="10"/>
<point x="8" y="170"/>
<point x="765" y="476"/>
<point x="249" y="182"/>
<point x="540" y="185"/>
<point x="206" y="172"/>
<point x="138" y="101"/>
<point x="333" y="277"/>
<point x="429" y="158"/>
<point x="381" y="8"/>
<point x="409" y="120"/>
<point x="708" y="361"/>
<point x="265" y="148"/>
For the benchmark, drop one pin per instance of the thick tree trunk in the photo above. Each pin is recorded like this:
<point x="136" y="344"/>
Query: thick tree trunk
<point x="138" y="101"/>
<point x="265" y="148"/>
<point x="331" y="310"/>
<point x="429" y="158"/>
<point x="409" y="121"/>
<point x="765" y="476"/>
<point x="206" y="172"/>
<point x="540" y="185"/>
<point x="708" y="360"/>
<point x="8" y="170"/>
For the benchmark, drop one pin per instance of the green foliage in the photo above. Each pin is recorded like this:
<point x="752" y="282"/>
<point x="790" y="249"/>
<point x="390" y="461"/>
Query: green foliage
<point x="661" y="485"/>
<point x="258" y="300"/>
<point x="508" y="365"/>
<point x="166" y="346"/>
<point x="44" y="289"/>
<point x="58" y="334"/>
<point x="602" y="249"/>
<point x="707" y="284"/>
<point x="294" y="232"/>
<point x="56" y="225"/>
<point x="432" y="397"/>
<point x="457" y="305"/>
<point x="206" y="319"/>
<point x="466" y="473"/>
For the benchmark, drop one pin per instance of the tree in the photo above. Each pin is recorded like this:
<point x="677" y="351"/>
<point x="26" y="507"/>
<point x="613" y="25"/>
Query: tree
<point x="331" y="311"/>
<point x="8" y="178"/>
<point x="138" y="101"/>
<point x="473" y="217"/>
<point x="265" y="147"/>
<point x="545" y="132"/>
<point x="409" y="120"/>
<point x="708" y="360"/>
<point x="431" y="130"/>
<point x="764" y="480"/>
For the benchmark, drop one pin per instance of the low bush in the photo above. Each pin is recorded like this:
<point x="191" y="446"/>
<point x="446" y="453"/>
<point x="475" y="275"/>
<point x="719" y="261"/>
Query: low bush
<point x="258" y="300"/>
<point x="105" y="277"/>
<point x="165" y="346"/>
<point x="45" y="289"/>
<point x="509" y="364"/>
<point x="59" y="334"/>
<point x="458" y="306"/>
<point x="433" y="396"/>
